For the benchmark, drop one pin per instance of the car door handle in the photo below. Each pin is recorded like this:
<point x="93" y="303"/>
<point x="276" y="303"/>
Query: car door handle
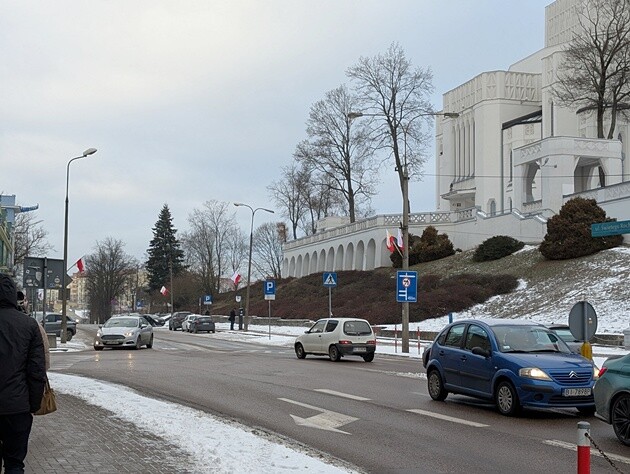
<point x="441" y="352"/>
<point x="463" y="358"/>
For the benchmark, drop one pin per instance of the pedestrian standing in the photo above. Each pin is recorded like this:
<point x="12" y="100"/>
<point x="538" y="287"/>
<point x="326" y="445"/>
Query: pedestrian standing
<point x="232" y="318"/>
<point x="22" y="377"/>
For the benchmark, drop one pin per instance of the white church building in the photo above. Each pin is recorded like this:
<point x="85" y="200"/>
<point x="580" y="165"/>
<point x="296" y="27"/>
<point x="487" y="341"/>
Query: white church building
<point x="507" y="163"/>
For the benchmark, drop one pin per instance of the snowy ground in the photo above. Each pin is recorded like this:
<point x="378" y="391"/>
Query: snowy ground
<point x="205" y="436"/>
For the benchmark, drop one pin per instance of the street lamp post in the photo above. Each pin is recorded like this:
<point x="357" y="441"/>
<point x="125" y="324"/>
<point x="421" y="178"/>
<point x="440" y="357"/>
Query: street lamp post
<point x="249" y="264"/>
<point x="64" y="322"/>
<point x="404" y="227"/>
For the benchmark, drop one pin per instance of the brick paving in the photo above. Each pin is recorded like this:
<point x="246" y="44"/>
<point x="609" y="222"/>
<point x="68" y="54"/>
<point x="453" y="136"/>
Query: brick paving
<point x="80" y="438"/>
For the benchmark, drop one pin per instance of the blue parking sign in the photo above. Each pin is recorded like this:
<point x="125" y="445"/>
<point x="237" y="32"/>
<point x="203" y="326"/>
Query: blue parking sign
<point x="207" y="299"/>
<point x="406" y="286"/>
<point x="270" y="289"/>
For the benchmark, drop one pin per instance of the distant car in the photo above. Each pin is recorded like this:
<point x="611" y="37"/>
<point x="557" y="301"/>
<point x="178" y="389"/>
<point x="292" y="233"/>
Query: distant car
<point x="153" y="320"/>
<point x="124" y="331"/>
<point x="612" y="396"/>
<point x="338" y="337"/>
<point x="201" y="324"/>
<point x="187" y="320"/>
<point x="175" y="322"/>
<point x="564" y="332"/>
<point x="53" y="325"/>
<point x="515" y="363"/>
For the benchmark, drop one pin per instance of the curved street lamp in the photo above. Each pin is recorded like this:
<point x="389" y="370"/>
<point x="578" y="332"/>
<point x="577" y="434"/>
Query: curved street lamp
<point x="404" y="227"/>
<point x="64" y="321"/>
<point x="249" y="264"/>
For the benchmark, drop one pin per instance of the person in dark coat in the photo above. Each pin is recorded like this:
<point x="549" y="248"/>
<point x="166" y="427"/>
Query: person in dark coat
<point x="22" y="377"/>
<point x="232" y="318"/>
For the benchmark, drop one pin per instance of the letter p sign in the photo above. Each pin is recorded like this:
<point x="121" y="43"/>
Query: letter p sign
<point x="270" y="289"/>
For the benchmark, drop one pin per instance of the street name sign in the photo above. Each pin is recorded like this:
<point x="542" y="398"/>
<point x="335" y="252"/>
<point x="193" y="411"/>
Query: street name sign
<point x="605" y="229"/>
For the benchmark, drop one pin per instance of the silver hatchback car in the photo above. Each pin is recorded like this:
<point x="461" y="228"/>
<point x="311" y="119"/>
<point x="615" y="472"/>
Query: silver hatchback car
<point x="338" y="337"/>
<point x="124" y="331"/>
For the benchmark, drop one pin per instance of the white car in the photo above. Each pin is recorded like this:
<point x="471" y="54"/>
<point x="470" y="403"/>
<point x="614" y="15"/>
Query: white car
<point x="338" y="337"/>
<point x="124" y="331"/>
<point x="186" y="322"/>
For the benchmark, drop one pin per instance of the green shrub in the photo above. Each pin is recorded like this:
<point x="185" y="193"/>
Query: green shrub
<point x="497" y="247"/>
<point x="569" y="231"/>
<point x="431" y="246"/>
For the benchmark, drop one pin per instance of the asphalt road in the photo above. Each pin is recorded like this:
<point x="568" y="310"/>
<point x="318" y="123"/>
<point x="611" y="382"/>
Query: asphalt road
<point x="377" y="416"/>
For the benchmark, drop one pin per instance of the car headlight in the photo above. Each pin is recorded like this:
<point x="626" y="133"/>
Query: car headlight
<point x="129" y="334"/>
<point x="99" y="333"/>
<point x="534" y="373"/>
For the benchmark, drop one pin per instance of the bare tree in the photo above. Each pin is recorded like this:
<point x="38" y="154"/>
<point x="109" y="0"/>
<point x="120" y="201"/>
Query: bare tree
<point x="108" y="271"/>
<point x="337" y="150"/>
<point x="320" y="200"/>
<point x="288" y="194"/>
<point x="396" y="100"/>
<point x="30" y="237"/>
<point x="267" y="253"/>
<point x="206" y="243"/>
<point x="237" y="250"/>
<point x="595" y="70"/>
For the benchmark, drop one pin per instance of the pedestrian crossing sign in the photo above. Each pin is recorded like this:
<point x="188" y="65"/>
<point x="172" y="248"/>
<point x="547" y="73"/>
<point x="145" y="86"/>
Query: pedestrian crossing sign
<point x="330" y="279"/>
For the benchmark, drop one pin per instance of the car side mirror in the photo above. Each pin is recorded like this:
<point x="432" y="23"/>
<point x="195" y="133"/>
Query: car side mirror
<point x="307" y="331"/>
<point x="480" y="352"/>
<point x="144" y="325"/>
<point x="100" y="326"/>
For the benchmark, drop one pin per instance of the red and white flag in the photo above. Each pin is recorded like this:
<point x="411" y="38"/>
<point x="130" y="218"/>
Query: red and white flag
<point x="80" y="265"/>
<point x="164" y="291"/>
<point x="399" y="239"/>
<point x="389" y="242"/>
<point x="236" y="278"/>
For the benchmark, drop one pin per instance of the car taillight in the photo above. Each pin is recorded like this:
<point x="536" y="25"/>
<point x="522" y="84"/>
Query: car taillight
<point x="371" y="342"/>
<point x="602" y="371"/>
<point x="345" y="342"/>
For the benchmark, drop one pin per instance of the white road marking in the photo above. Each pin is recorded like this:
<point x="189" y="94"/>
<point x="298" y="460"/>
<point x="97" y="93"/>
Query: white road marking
<point x="594" y="452"/>
<point x="326" y="420"/>
<point x="448" y="418"/>
<point x="341" y="394"/>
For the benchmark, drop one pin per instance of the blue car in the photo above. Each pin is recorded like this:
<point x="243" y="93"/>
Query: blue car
<point x="515" y="363"/>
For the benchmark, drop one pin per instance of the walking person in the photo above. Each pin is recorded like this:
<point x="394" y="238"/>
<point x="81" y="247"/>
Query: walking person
<point x="232" y="318"/>
<point x="22" y="377"/>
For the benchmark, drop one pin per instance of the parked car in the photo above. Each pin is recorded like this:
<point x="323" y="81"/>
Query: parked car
<point x="187" y="320"/>
<point x="515" y="363"/>
<point x="338" y="337"/>
<point x="124" y="331"/>
<point x="563" y="331"/>
<point x="175" y="322"/>
<point x="53" y="325"/>
<point x="201" y="324"/>
<point x="612" y="396"/>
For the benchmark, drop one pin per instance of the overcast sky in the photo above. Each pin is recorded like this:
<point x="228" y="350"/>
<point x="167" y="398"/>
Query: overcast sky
<point x="189" y="101"/>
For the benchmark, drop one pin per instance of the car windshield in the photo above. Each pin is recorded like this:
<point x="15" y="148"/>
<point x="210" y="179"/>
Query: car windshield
<point x="121" y="323"/>
<point x="357" y="328"/>
<point x="528" y="339"/>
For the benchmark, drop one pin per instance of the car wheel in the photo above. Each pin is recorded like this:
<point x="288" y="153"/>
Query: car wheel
<point x="620" y="418"/>
<point x="138" y="343"/>
<point x="506" y="399"/>
<point x="150" y="344"/>
<point x="213" y="331"/>
<point x="299" y="351"/>
<point x="98" y="348"/>
<point x="587" y="411"/>
<point x="368" y="357"/>
<point x="436" y="387"/>
<point x="170" y="328"/>
<point x="334" y="354"/>
<point x="69" y="335"/>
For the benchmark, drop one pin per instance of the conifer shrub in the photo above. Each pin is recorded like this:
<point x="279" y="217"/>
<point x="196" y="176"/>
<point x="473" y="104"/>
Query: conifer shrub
<point x="569" y="231"/>
<point x="428" y="247"/>
<point x="497" y="247"/>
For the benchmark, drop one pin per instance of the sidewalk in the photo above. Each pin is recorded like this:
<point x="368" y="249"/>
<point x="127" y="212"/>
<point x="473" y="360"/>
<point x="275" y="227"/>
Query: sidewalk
<point x="80" y="439"/>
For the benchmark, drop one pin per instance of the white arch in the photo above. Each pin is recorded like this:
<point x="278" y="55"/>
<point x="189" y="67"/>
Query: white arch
<point x="299" y="271"/>
<point x="339" y="258"/>
<point x="306" y="266"/>
<point x="321" y="267"/>
<point x="370" y="261"/>
<point x="358" y="259"/>
<point x="330" y="260"/>
<point x="314" y="263"/>
<point x="349" y="261"/>
<point x="292" y="267"/>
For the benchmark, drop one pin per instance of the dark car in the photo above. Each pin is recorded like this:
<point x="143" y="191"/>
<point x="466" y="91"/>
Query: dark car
<point x="201" y="324"/>
<point x="612" y="396"/>
<point x="515" y="363"/>
<point x="153" y="320"/>
<point x="53" y="325"/>
<point x="175" y="322"/>
<point x="563" y="331"/>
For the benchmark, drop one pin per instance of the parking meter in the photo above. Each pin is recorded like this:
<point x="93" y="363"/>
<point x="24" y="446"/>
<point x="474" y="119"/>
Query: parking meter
<point x="241" y="312"/>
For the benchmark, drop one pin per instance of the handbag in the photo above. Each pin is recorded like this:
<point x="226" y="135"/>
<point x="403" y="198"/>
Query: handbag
<point x="49" y="403"/>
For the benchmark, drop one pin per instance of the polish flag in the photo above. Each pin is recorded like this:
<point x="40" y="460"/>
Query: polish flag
<point x="389" y="242"/>
<point x="164" y="291"/>
<point x="236" y="278"/>
<point x="80" y="265"/>
<point x="399" y="239"/>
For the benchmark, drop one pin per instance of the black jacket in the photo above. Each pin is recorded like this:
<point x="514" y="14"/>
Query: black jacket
<point x="22" y="361"/>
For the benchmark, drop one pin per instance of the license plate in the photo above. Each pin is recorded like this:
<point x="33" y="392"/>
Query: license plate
<point x="359" y="349"/>
<point x="576" y="392"/>
<point x="112" y="343"/>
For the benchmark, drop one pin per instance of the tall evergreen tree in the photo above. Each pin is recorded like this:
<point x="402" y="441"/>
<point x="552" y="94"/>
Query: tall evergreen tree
<point x="164" y="250"/>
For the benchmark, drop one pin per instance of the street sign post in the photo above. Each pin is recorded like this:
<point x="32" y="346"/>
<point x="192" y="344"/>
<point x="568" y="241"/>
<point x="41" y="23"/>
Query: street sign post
<point x="583" y="324"/>
<point x="330" y="281"/>
<point x="270" y="294"/>
<point x="406" y="286"/>
<point x="605" y="229"/>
